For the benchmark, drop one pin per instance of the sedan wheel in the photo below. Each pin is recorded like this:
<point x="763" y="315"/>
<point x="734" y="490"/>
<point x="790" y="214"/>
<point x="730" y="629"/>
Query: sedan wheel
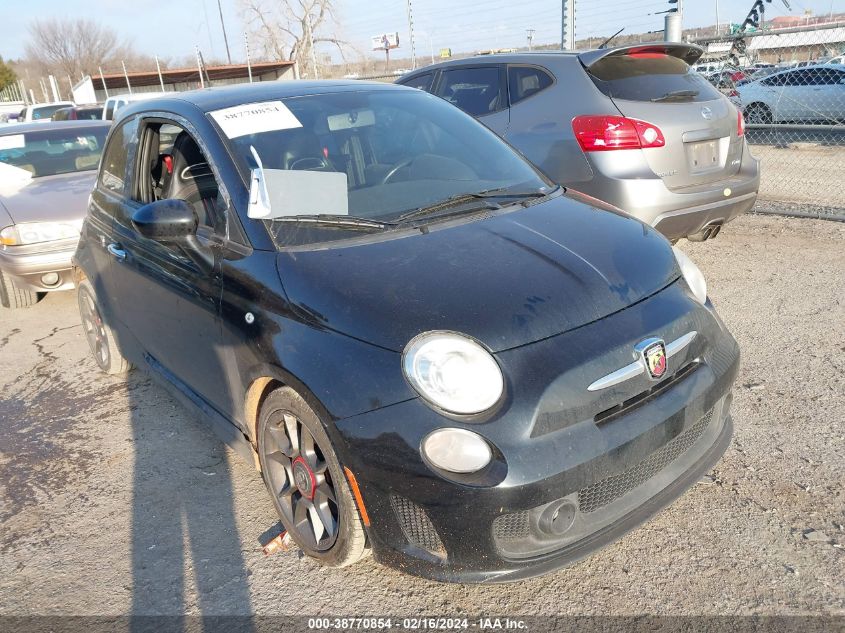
<point x="305" y="480"/>
<point x="758" y="113"/>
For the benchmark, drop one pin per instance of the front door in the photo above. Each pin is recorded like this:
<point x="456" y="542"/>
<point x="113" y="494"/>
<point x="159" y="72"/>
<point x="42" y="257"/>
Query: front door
<point x="168" y="303"/>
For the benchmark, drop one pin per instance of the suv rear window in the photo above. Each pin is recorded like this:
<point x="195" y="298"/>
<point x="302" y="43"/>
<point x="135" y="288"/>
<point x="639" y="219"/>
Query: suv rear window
<point x="650" y="77"/>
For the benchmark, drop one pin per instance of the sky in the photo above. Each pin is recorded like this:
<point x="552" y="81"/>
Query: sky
<point x="171" y="28"/>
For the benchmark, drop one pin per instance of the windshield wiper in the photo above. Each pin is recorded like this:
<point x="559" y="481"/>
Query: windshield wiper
<point x="452" y="201"/>
<point x="677" y="94"/>
<point x="341" y="221"/>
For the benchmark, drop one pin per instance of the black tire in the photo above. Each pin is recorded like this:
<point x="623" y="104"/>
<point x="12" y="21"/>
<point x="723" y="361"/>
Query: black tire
<point x="758" y="113"/>
<point x="13" y="297"/>
<point x="101" y="338"/>
<point x="283" y="414"/>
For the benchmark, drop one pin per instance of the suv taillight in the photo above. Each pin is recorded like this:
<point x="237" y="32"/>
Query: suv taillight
<point x="740" y="123"/>
<point x="602" y="133"/>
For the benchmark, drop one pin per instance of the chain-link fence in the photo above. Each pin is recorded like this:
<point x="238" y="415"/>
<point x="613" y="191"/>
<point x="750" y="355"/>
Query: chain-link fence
<point x="790" y="85"/>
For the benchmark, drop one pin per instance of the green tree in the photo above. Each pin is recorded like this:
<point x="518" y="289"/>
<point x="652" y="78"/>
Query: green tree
<point x="7" y="75"/>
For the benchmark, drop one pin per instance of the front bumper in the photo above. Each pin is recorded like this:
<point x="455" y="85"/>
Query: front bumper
<point x="617" y="471"/>
<point x="26" y="265"/>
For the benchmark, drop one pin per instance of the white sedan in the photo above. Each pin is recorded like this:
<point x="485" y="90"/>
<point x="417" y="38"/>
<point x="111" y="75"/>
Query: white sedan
<point x="809" y="94"/>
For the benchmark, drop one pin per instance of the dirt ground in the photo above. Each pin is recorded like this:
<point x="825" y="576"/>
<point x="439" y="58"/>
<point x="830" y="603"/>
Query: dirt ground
<point x="803" y="173"/>
<point x="115" y="500"/>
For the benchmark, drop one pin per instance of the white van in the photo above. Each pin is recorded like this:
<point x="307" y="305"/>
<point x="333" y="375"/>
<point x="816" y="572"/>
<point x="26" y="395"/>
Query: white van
<point x="115" y="103"/>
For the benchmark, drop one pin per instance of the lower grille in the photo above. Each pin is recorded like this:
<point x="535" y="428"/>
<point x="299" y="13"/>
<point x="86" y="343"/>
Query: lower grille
<point x="608" y="490"/>
<point x="511" y="527"/>
<point x="416" y="525"/>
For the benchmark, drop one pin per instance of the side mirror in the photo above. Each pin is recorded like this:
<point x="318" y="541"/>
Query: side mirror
<point x="166" y="221"/>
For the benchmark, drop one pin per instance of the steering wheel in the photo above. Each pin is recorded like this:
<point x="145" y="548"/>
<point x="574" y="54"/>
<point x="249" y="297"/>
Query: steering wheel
<point x="310" y="163"/>
<point x="392" y="171"/>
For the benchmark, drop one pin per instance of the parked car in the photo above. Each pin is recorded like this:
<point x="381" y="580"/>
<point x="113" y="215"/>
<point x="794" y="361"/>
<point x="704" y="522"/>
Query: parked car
<point x="633" y="126"/>
<point x="79" y="113"/>
<point x="801" y="95"/>
<point x="836" y="61"/>
<point x="430" y="349"/>
<point x="41" y="112"/>
<point x="47" y="171"/>
<point x="116" y="102"/>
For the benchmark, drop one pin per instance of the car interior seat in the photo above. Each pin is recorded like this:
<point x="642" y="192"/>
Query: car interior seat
<point x="191" y="179"/>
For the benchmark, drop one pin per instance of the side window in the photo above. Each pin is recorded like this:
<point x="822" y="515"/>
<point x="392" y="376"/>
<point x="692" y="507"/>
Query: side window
<point x="174" y="167"/>
<point x="476" y="91"/>
<point x="777" y="80"/>
<point x="829" y="77"/>
<point x="420" y="82"/>
<point x="525" y="81"/>
<point x="113" y="165"/>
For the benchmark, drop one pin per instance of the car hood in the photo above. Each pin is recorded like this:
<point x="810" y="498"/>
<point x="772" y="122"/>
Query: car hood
<point x="506" y="280"/>
<point x="59" y="198"/>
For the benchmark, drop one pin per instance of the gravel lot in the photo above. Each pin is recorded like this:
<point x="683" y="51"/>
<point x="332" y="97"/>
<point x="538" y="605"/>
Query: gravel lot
<point x="115" y="500"/>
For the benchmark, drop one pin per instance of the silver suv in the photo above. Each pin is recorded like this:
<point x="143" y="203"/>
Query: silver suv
<point x="633" y="126"/>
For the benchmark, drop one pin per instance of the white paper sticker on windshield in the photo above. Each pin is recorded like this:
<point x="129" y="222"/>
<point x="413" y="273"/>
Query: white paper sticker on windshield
<point x="255" y="118"/>
<point x="12" y="141"/>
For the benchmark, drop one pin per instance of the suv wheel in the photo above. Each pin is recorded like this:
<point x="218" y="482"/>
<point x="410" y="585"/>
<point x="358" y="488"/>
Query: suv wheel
<point x="100" y="336"/>
<point x="11" y="296"/>
<point x="305" y="481"/>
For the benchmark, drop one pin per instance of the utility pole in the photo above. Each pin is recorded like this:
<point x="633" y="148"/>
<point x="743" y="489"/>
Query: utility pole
<point x="717" y="17"/>
<point x="225" y="39"/>
<point x="567" y="25"/>
<point x="248" y="60"/>
<point x="411" y="34"/>
<point x="530" y="36"/>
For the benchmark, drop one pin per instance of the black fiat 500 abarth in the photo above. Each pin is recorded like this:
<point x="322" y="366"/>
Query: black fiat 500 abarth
<point x="430" y="351"/>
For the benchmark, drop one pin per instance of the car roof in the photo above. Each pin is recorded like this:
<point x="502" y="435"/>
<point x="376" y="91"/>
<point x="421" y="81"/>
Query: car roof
<point x="217" y="98"/>
<point x="21" y="128"/>
<point x="524" y="57"/>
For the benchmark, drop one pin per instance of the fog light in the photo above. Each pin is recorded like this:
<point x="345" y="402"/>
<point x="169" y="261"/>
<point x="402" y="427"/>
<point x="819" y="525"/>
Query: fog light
<point x="558" y="517"/>
<point x="457" y="450"/>
<point x="50" y="279"/>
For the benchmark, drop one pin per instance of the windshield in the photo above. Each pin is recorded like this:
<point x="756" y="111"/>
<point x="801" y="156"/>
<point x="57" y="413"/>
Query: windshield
<point x="384" y="154"/>
<point x="51" y="152"/>
<point x="45" y="112"/>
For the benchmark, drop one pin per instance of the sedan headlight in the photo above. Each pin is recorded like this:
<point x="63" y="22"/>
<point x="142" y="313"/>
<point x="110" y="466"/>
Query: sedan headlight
<point x="37" y="232"/>
<point x="693" y="276"/>
<point x="453" y="372"/>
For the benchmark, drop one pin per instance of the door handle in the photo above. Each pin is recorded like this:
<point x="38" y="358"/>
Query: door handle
<point x="118" y="252"/>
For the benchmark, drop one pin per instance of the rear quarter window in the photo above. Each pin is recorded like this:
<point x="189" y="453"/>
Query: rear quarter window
<point x="526" y="81"/>
<point x="649" y="77"/>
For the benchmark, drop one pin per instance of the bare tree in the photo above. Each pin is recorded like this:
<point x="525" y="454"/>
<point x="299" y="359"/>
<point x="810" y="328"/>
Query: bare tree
<point x="293" y="29"/>
<point x="74" y="47"/>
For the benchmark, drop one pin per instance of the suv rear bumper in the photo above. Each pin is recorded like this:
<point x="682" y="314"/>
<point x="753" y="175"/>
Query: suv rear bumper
<point x="681" y="212"/>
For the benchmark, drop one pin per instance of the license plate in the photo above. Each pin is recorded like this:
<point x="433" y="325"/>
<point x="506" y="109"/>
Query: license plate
<point x="703" y="156"/>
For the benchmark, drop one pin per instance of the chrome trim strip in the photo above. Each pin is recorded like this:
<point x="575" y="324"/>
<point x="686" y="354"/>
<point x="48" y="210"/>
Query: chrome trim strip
<point x="680" y="343"/>
<point x="620" y="375"/>
<point x="636" y="368"/>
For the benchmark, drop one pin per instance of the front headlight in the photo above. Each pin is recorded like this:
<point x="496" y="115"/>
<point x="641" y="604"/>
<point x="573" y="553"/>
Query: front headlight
<point x="37" y="232"/>
<point x="693" y="276"/>
<point x="453" y="372"/>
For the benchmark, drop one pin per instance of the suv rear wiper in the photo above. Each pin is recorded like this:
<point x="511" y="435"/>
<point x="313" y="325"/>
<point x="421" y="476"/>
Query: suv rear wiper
<point x="341" y="221"/>
<point x="677" y="94"/>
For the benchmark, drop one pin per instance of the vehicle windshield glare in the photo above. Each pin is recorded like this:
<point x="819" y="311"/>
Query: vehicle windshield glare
<point x="55" y="151"/>
<point x="375" y="156"/>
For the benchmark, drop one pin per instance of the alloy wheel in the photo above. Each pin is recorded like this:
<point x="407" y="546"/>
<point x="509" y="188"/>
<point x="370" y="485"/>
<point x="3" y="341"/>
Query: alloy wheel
<point x="299" y="478"/>
<point x="95" y="330"/>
